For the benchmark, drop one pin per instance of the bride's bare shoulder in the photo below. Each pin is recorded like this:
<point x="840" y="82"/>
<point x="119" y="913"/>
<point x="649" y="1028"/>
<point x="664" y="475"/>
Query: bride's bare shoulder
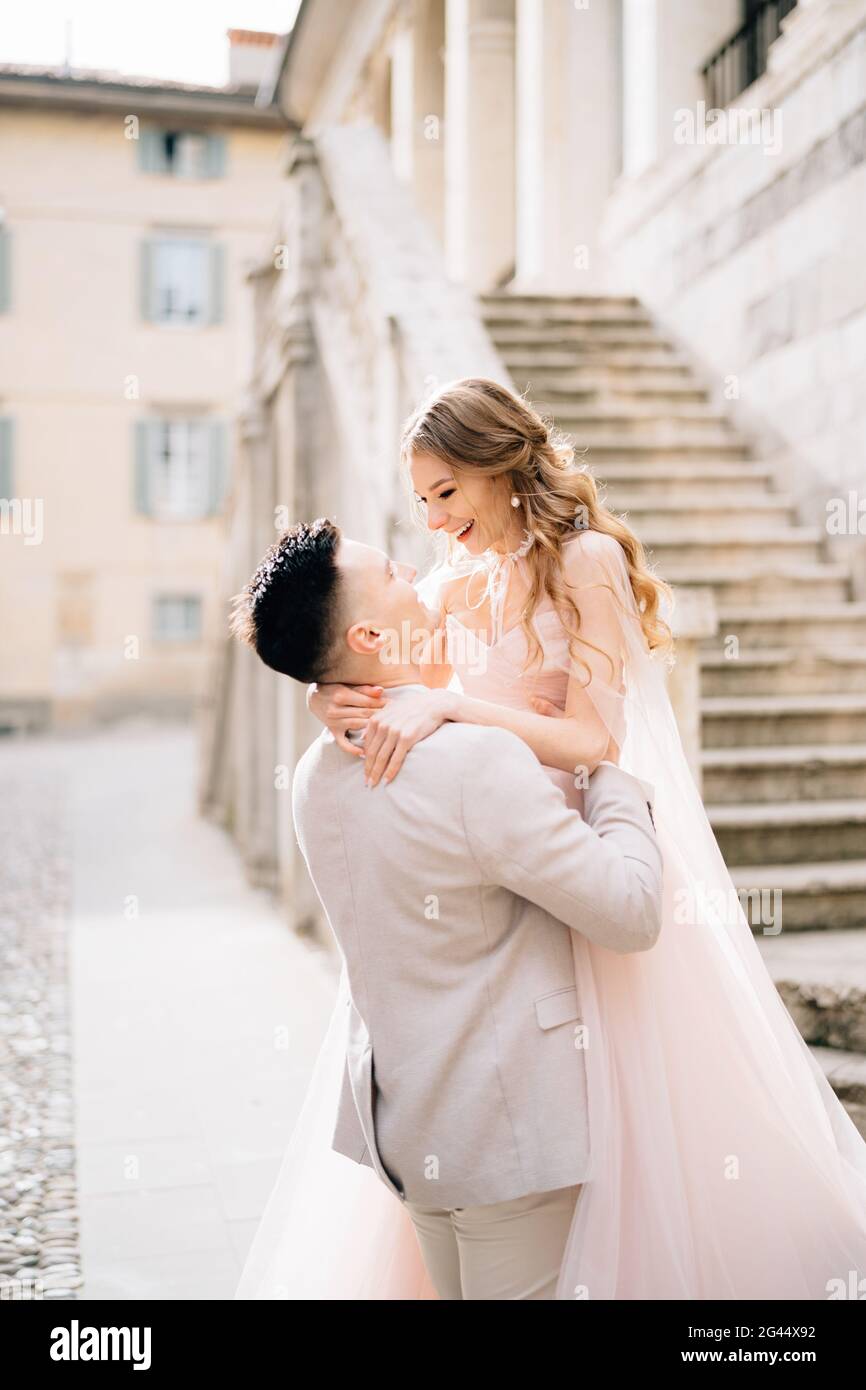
<point x="587" y="552"/>
<point x="439" y="586"/>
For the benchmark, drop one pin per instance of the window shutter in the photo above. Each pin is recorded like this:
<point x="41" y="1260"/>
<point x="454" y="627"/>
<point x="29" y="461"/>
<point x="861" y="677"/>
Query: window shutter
<point x="218" y="462"/>
<point x="216" y="304"/>
<point x="151" y="151"/>
<point x="193" y="619"/>
<point x="6" y="443"/>
<point x="145" y="281"/>
<point x="142" y="470"/>
<point x="214" y="161"/>
<point x="5" y="269"/>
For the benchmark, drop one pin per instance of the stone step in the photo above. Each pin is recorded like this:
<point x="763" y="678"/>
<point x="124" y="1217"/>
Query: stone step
<point x="598" y="337"/>
<point x="764" y="671"/>
<point x="618" y="385"/>
<point x="675" y="548"/>
<point x="639" y="452"/>
<point x="539" y="353"/>
<point x="499" y="306"/>
<point x="821" y="977"/>
<point x="846" y="1073"/>
<point x="630" y="412"/>
<point x="813" y="897"/>
<point x="789" y="832"/>
<point x="833" y="624"/>
<point x="685" y="482"/>
<point x="771" y="720"/>
<point x="674" y="430"/>
<point x="583" y="318"/>
<point x="796" y="772"/>
<point x="726" y="518"/>
<point x="765" y="583"/>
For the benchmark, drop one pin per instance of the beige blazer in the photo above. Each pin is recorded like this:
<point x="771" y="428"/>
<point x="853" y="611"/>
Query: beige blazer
<point x="452" y="893"/>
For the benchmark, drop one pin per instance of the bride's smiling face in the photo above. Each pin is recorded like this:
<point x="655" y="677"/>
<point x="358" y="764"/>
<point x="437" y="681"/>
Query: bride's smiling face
<point x="465" y="506"/>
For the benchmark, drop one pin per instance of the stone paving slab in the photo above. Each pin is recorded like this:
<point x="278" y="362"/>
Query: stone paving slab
<point x="196" y="1016"/>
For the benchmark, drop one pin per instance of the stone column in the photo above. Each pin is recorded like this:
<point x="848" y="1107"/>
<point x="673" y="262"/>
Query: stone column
<point x="415" y="120"/>
<point x="479" y="141"/>
<point x="567" y="141"/>
<point x="259" y="688"/>
<point x="664" y="46"/>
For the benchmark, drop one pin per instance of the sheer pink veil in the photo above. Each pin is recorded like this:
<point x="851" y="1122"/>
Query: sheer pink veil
<point x="331" y="1229"/>
<point x="722" y="1163"/>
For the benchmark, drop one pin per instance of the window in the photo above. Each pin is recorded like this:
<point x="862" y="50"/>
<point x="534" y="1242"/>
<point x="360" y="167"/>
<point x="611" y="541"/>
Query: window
<point x="180" y="481"/>
<point x="6" y="447"/>
<point x="742" y="58"/>
<point x="177" y="618"/>
<point x="5" y="270"/>
<point x="183" y="154"/>
<point x="181" y="280"/>
<point x="180" y="468"/>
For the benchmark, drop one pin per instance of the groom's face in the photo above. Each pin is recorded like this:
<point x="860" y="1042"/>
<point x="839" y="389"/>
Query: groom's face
<point x="380" y="606"/>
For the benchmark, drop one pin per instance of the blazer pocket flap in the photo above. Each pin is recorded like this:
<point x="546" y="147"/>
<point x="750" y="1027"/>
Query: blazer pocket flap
<point x="558" y="1007"/>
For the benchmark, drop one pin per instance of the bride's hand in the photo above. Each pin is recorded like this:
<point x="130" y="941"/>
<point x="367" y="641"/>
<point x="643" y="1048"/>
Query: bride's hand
<point x="391" y="732"/>
<point x="345" y="707"/>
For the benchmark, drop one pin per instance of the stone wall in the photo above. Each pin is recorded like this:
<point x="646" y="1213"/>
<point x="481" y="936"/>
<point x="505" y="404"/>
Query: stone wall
<point x="355" y="321"/>
<point x="753" y="259"/>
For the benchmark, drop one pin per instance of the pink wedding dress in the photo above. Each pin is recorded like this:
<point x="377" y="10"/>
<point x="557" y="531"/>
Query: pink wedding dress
<point x="722" y="1163"/>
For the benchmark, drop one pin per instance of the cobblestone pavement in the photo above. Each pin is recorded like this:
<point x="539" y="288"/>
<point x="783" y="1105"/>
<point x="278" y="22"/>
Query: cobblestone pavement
<point x="158" y="1024"/>
<point x="39" y="1244"/>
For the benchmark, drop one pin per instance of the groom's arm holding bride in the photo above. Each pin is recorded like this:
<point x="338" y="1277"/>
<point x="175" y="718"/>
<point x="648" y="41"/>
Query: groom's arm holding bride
<point x="600" y="873"/>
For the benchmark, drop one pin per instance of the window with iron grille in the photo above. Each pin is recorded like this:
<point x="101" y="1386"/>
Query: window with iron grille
<point x="742" y="58"/>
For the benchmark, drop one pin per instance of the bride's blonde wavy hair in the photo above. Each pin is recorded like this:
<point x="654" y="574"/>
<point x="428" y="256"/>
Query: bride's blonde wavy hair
<point x="477" y="426"/>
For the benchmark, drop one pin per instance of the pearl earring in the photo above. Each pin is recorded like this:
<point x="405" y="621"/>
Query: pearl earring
<point x="515" y="500"/>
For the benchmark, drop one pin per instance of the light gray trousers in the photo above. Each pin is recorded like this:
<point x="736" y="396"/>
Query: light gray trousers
<point x="507" y="1250"/>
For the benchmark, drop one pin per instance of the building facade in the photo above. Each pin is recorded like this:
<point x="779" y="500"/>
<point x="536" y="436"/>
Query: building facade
<point x="646" y="215"/>
<point x="130" y="209"/>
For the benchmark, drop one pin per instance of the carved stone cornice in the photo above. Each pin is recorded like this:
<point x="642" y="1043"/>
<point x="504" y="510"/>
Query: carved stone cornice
<point x="252" y="420"/>
<point x="300" y="153"/>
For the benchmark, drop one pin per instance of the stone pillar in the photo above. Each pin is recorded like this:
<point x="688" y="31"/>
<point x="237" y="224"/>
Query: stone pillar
<point x="479" y="141"/>
<point x="297" y="408"/>
<point x="303" y="446"/>
<point x="258" y="710"/>
<point x="664" y="46"/>
<point x="567" y="141"/>
<point x="415" y="121"/>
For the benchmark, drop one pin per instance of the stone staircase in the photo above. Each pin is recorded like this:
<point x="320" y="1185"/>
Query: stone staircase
<point x="784" y="719"/>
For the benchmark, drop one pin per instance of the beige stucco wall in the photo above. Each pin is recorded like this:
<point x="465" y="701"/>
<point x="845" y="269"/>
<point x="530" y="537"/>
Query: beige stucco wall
<point x="73" y="350"/>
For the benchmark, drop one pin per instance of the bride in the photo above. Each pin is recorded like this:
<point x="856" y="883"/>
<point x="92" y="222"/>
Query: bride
<point x="722" y="1163"/>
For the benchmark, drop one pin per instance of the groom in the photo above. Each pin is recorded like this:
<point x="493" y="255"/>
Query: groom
<point x="453" y="893"/>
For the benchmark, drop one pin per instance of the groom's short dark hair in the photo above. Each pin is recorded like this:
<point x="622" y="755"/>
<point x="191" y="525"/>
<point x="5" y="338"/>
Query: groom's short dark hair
<point x="288" y="612"/>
